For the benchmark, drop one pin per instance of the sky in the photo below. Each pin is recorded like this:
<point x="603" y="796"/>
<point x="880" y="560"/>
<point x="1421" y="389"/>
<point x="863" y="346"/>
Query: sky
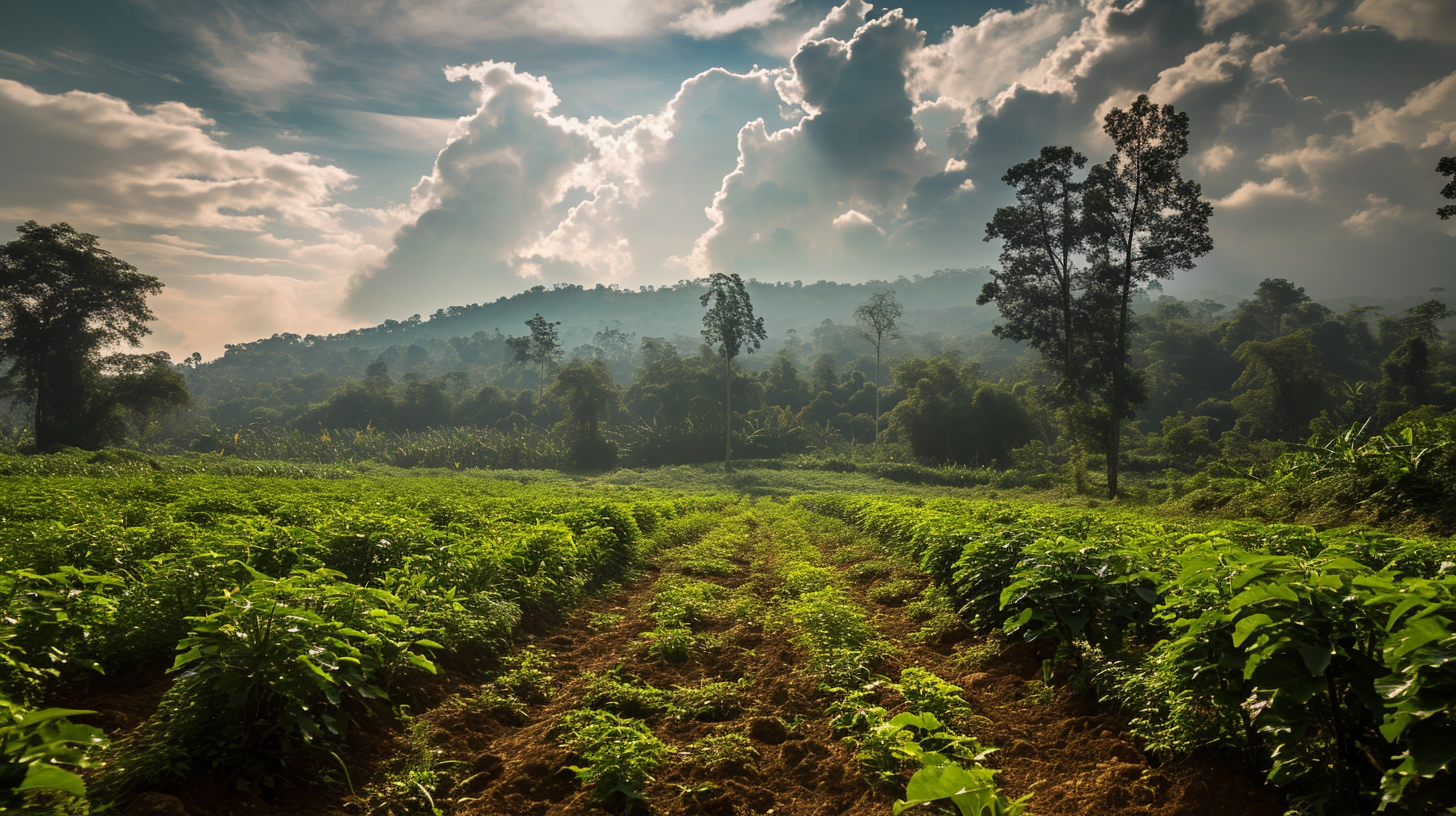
<point x="311" y="166"/>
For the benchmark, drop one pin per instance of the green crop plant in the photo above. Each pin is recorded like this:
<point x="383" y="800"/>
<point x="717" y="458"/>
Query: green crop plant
<point x="619" y="754"/>
<point x="681" y="600"/>
<point x="50" y="623"/>
<point x="270" y="670"/>
<point x="923" y="691"/>
<point x="710" y="701"/>
<point x="627" y="697"/>
<point x="671" y="643"/>
<point x="718" y="752"/>
<point x="41" y="752"/>
<point x="895" y="592"/>
<point x="526" y="676"/>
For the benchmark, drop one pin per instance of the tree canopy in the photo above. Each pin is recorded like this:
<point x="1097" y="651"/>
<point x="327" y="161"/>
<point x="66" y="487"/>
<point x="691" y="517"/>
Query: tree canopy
<point x="65" y="305"/>
<point x="729" y="327"/>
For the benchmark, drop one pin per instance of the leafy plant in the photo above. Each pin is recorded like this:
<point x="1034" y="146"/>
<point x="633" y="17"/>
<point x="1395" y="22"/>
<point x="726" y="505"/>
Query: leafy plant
<point x="37" y="748"/>
<point x="720" y="751"/>
<point x="619" y="754"/>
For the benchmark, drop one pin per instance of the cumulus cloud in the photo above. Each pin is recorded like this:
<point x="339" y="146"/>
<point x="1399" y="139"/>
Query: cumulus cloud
<point x="1411" y="19"/>
<point x="522" y="193"/>
<point x="1368" y="218"/>
<point x="1032" y="47"/>
<point x="840" y="23"/>
<point x="494" y="187"/>
<point x="825" y="196"/>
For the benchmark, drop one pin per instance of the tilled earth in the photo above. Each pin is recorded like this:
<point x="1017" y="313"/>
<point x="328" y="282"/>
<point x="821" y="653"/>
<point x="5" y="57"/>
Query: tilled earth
<point x="1075" y="757"/>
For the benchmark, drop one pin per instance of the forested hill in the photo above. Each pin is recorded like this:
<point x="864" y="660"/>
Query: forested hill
<point x="942" y="301"/>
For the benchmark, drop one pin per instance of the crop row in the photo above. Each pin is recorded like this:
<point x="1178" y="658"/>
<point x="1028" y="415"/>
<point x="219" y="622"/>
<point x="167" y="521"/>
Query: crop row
<point x="913" y="724"/>
<point x="1328" y="658"/>
<point x="285" y="608"/>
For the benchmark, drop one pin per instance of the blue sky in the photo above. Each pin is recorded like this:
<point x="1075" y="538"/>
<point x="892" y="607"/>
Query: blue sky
<point x="314" y="165"/>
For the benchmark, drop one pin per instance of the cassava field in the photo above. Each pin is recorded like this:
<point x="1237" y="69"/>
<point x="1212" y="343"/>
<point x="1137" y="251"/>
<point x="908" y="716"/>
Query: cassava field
<point x="292" y="640"/>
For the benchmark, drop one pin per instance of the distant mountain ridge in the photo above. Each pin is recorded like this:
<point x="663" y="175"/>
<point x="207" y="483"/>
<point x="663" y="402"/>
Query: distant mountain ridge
<point x="945" y="300"/>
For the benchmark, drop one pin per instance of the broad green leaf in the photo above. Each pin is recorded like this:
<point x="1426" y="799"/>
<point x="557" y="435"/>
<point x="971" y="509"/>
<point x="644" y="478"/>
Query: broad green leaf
<point x="1246" y="627"/>
<point x="44" y="776"/>
<point x="1316" y="658"/>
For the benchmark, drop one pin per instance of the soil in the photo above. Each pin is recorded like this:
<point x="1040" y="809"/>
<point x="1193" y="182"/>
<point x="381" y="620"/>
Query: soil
<point x="1075" y="756"/>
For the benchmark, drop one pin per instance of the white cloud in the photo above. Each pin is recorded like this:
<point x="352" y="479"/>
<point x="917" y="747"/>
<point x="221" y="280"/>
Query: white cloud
<point x="493" y="189"/>
<point x="412" y="133"/>
<point x="706" y="22"/>
<point x="1216" y="158"/>
<point x="841" y="22"/>
<point x="1214" y="64"/>
<point x="1376" y="210"/>
<point x="164" y="193"/>
<point x="1035" y="47"/>
<point x="1253" y="192"/>
<point x="470" y="22"/>
<point x="1411" y="19"/>
<point x="265" y="67"/>
<point x="93" y="158"/>
<point x="825" y="194"/>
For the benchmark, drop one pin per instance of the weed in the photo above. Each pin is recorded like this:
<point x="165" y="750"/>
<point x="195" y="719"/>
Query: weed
<point x="526" y="676"/>
<point x="597" y="621"/>
<point x="609" y="692"/>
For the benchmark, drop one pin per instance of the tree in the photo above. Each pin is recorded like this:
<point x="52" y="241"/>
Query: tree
<point x="949" y="415"/>
<point x="590" y="393"/>
<point x="878" y="321"/>
<point x="1144" y="222"/>
<point x="543" y="347"/>
<point x="64" y="301"/>
<point x="729" y="327"/>
<point x="1447" y="167"/>
<point x="1281" y="388"/>
<point x="1037" y="288"/>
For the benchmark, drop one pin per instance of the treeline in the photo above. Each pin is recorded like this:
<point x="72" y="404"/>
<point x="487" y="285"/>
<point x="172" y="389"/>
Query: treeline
<point x="1221" y="384"/>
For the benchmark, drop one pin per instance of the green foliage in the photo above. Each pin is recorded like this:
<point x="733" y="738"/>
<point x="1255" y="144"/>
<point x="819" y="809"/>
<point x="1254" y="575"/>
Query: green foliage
<point x="949" y="416"/>
<point x="36" y="750"/>
<point x="619" y="753"/>
<point x="1308" y="651"/>
<point x="63" y="302"/>
<point x="719" y="752"/>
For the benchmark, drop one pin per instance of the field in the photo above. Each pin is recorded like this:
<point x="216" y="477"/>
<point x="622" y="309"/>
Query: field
<point x="283" y="639"/>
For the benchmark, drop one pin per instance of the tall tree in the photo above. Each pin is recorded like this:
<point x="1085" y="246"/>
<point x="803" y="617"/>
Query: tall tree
<point x="1447" y="167"/>
<point x="1145" y="222"/>
<point x="878" y="321"/>
<point x="64" y="302"/>
<point x="1039" y="287"/>
<point x="729" y="327"/>
<point x="543" y="350"/>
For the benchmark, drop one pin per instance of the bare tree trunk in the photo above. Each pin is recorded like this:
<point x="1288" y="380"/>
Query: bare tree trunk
<point x="728" y="417"/>
<point x="877" y="402"/>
